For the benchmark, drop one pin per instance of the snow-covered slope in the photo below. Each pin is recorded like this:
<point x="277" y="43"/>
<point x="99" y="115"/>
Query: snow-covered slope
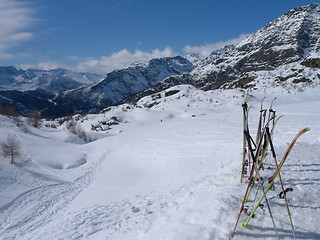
<point x="165" y="168"/>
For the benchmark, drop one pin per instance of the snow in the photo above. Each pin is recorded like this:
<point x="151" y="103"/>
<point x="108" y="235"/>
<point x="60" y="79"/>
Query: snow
<point x="52" y="80"/>
<point x="169" y="169"/>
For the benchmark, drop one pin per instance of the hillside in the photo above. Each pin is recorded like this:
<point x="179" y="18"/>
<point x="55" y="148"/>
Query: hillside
<point x="166" y="168"/>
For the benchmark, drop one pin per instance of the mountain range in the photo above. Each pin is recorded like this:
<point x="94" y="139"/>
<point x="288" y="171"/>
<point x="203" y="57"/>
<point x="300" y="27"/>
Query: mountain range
<point x="284" y="53"/>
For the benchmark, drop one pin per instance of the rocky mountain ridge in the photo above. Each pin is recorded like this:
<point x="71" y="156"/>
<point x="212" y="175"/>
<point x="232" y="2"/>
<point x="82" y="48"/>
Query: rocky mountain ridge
<point x="289" y="39"/>
<point x="283" y="53"/>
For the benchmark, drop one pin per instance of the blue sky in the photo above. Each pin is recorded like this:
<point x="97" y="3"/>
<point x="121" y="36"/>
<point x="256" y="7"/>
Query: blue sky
<point x="101" y="35"/>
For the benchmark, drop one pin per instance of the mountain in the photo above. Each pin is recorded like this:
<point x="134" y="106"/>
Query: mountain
<point x="118" y="85"/>
<point x="194" y="59"/>
<point x="287" y="41"/>
<point x="52" y="81"/>
<point x="61" y="92"/>
<point x="215" y="55"/>
<point x="284" y="53"/>
<point x="30" y="89"/>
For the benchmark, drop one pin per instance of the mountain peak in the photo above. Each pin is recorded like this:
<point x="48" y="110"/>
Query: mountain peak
<point x="296" y="31"/>
<point x="288" y="39"/>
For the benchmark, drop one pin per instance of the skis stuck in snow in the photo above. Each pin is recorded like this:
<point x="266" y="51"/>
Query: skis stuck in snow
<point x="259" y="183"/>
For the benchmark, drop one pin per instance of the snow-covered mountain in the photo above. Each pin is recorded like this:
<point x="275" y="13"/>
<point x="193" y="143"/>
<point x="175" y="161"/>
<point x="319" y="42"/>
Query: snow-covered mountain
<point x="52" y="81"/>
<point x="30" y="89"/>
<point x="283" y="43"/>
<point x="58" y="92"/>
<point x="283" y="53"/>
<point x="120" y="84"/>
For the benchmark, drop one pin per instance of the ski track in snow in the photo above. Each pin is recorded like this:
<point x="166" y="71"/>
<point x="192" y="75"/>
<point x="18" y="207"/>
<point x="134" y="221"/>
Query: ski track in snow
<point x="37" y="207"/>
<point x="129" y="219"/>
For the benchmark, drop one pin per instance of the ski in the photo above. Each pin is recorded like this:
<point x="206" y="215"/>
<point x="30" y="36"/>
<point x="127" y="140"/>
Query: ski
<point x="288" y="151"/>
<point x="261" y="119"/>
<point x="244" y="167"/>
<point x="283" y="194"/>
<point x="245" y="154"/>
<point x="267" y="144"/>
<point x="273" y="177"/>
<point x="271" y="111"/>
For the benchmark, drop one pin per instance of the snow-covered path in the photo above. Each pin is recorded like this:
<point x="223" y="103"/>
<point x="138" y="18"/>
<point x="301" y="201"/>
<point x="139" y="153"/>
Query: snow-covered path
<point x="170" y="172"/>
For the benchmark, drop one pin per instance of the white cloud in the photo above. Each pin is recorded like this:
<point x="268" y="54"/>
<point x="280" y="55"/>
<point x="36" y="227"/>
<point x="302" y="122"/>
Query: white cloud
<point x="15" y="18"/>
<point x="121" y="59"/>
<point x="124" y="57"/>
<point x="79" y="59"/>
<point x="206" y="49"/>
<point x="45" y="66"/>
<point x="105" y="64"/>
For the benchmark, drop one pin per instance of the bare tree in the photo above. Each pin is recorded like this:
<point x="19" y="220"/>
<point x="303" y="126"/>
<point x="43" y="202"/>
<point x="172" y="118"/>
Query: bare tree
<point x="11" y="148"/>
<point x="34" y="118"/>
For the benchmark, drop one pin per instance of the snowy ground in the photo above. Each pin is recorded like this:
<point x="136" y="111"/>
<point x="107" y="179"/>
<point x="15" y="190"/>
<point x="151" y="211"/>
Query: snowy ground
<point x="171" y="171"/>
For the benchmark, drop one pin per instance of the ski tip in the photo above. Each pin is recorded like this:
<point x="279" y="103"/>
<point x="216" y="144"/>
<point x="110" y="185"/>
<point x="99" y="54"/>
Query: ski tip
<point x="307" y="129"/>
